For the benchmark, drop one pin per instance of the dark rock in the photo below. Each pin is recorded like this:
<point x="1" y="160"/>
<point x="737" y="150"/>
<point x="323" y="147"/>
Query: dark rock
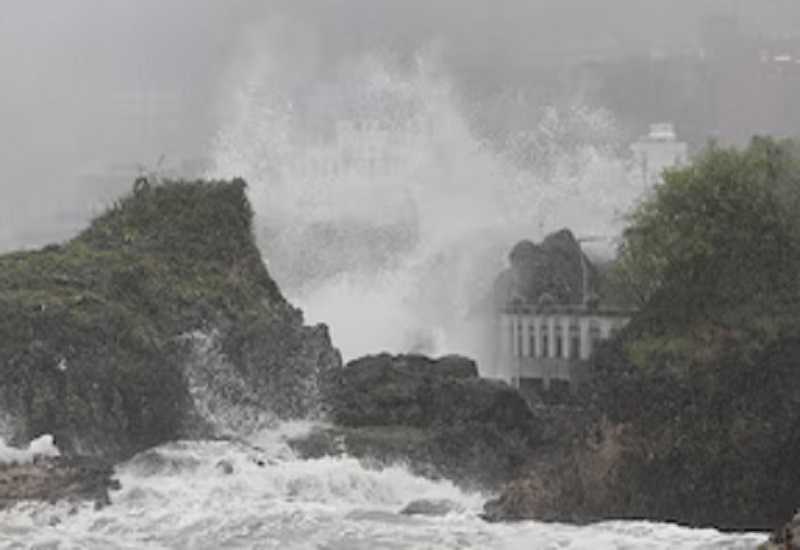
<point x="571" y="477"/>
<point x="431" y="507"/>
<point x="551" y="273"/>
<point x="416" y="391"/>
<point x="225" y="466"/>
<point x="699" y="429"/>
<point x="785" y="538"/>
<point x="92" y="346"/>
<point x="434" y="415"/>
<point x="54" y="479"/>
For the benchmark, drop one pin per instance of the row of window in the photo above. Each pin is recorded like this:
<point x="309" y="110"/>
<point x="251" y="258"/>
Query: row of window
<point x="565" y="348"/>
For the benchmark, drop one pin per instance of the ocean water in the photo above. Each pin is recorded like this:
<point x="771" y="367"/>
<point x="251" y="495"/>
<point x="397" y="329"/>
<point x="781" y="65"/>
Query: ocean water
<point x="256" y="494"/>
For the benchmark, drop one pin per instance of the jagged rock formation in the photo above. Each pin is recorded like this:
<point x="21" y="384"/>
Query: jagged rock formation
<point x="435" y="415"/>
<point x="91" y="346"/>
<point x="551" y="272"/>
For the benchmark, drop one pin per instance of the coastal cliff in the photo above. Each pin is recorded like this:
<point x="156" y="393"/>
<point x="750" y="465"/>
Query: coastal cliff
<point x="93" y="332"/>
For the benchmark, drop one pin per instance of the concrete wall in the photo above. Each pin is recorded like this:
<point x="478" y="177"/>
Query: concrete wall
<point x="550" y="346"/>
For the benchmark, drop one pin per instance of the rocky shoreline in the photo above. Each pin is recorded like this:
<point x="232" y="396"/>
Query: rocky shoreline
<point x="93" y="350"/>
<point x="435" y="415"/>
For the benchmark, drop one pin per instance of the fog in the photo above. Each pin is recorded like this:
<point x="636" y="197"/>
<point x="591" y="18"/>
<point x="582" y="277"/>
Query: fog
<point x="92" y="91"/>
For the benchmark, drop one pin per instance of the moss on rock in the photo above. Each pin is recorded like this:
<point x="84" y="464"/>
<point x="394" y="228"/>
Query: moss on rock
<point x="89" y="330"/>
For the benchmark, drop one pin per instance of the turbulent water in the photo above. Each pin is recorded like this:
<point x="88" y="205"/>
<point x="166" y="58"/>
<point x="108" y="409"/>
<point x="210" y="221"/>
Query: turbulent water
<point x="185" y="496"/>
<point x="250" y="490"/>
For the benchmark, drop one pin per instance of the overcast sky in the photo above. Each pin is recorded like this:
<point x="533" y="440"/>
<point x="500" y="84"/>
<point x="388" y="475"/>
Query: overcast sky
<point x="69" y="68"/>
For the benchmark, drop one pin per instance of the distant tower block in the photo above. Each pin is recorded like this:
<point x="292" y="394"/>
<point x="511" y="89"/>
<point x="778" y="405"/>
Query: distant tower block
<point x="657" y="151"/>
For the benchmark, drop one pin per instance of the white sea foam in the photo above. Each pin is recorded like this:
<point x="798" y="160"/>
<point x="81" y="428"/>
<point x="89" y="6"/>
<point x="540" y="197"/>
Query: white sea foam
<point x="42" y="446"/>
<point x="181" y="495"/>
<point x="389" y="216"/>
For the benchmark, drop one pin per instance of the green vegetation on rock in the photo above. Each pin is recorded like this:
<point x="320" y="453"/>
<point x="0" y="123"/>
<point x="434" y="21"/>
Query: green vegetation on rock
<point x="90" y="331"/>
<point x="720" y="239"/>
<point x="704" y="379"/>
<point x="693" y="412"/>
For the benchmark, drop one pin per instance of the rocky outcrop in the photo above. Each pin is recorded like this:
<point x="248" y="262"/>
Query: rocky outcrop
<point x="572" y="476"/>
<point x="785" y="538"/>
<point x="53" y="479"/>
<point x="698" y="429"/>
<point x="437" y="416"/>
<point x="549" y="273"/>
<point x="92" y="332"/>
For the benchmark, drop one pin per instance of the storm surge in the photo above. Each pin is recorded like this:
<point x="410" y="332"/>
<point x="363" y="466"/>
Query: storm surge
<point x="386" y="212"/>
<point x="251" y="489"/>
<point x="255" y="493"/>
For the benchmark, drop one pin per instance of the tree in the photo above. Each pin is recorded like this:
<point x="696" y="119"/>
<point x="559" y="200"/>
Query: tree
<point x="720" y="236"/>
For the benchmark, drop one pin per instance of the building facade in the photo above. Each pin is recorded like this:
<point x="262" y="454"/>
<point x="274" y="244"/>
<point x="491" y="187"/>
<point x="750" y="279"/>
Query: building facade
<point x="549" y="347"/>
<point x="659" y="150"/>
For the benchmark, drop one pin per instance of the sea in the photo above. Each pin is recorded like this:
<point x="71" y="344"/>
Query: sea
<point x="255" y="493"/>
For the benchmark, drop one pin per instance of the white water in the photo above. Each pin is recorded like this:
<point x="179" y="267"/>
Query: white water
<point x="251" y="491"/>
<point x="40" y="447"/>
<point x="179" y="497"/>
<point x="381" y="210"/>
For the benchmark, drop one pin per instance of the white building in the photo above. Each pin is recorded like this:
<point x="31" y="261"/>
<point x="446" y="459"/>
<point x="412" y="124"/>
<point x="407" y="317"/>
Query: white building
<point x="658" y="151"/>
<point x="540" y="346"/>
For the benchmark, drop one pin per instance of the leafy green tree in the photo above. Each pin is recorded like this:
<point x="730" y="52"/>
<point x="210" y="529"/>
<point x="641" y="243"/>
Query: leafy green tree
<point x="720" y="237"/>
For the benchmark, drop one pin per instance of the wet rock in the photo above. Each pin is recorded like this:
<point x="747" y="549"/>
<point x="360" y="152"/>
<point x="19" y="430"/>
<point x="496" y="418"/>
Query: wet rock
<point x="225" y="466"/>
<point x="55" y="479"/>
<point x="431" y="507"/>
<point x="548" y="273"/>
<point x="785" y="538"/>
<point x="435" y="415"/>
<point x="417" y="391"/>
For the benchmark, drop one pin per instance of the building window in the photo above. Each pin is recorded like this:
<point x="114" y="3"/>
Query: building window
<point x="531" y="342"/>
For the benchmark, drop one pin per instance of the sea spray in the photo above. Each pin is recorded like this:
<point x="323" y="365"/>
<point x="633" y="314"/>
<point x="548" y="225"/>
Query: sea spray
<point x="389" y="216"/>
<point x="42" y="446"/>
<point x="177" y="496"/>
<point x="224" y="402"/>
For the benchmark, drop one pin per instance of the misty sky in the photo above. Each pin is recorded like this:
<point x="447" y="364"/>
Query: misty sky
<point x="73" y="71"/>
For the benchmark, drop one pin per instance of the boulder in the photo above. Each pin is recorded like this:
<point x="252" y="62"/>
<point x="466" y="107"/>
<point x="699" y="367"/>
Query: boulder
<point x="417" y="391"/>
<point x="548" y="273"/>
<point x="434" y="415"/>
